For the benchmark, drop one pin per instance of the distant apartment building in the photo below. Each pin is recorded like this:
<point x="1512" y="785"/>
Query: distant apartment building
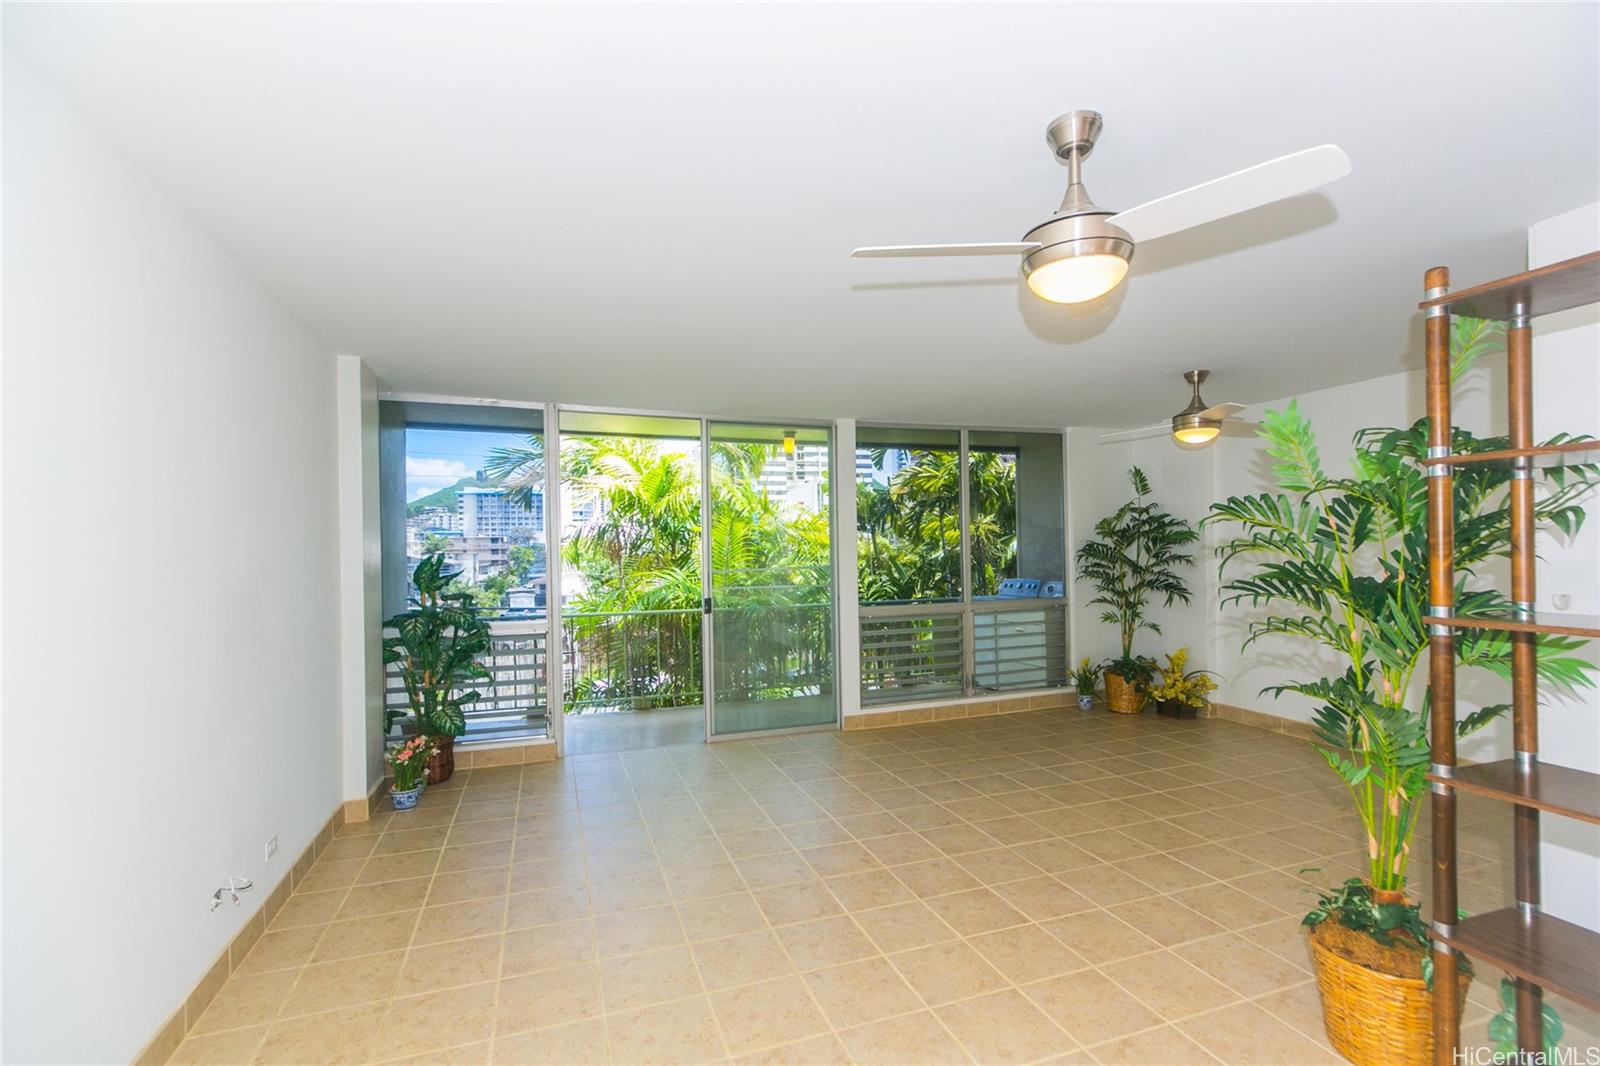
<point x="809" y="463"/>
<point x="435" y="518"/>
<point x="490" y="512"/>
<point x="894" y="461"/>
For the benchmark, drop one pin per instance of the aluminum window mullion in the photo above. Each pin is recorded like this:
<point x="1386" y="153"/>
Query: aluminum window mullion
<point x="555" y="680"/>
<point x="969" y="665"/>
<point x="708" y="694"/>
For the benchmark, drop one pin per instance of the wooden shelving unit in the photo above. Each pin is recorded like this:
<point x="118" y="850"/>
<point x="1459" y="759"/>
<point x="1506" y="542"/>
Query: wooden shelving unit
<point x="1578" y="451"/>
<point x="1540" y="951"/>
<point x="1571" y="625"/>
<point x="1544" y="951"/>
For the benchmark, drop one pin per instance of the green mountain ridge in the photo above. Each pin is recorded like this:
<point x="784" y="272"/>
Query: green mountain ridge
<point x="446" y="497"/>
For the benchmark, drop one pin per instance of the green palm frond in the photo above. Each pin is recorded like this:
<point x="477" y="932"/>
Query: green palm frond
<point x="1348" y="558"/>
<point x="1135" y="560"/>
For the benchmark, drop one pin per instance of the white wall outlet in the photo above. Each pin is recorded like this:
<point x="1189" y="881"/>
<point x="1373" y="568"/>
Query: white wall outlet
<point x="272" y="846"/>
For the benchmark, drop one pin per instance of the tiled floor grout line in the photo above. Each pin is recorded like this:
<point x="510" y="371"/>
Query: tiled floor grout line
<point x="771" y="781"/>
<point x="716" y="1021"/>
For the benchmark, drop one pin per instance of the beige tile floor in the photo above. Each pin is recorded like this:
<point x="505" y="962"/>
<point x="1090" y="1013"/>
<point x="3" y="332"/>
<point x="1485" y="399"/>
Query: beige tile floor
<point x="1056" y="886"/>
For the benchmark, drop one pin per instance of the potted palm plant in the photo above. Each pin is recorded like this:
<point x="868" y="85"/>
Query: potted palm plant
<point x="1346" y="560"/>
<point x="438" y="645"/>
<point x="1135" y="559"/>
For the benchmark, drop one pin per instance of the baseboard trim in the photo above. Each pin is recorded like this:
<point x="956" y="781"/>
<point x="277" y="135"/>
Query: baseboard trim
<point x="942" y="712"/>
<point x="362" y="810"/>
<point x="1260" y="720"/>
<point x="979" y="707"/>
<point x="162" y="1046"/>
<point x="480" y="755"/>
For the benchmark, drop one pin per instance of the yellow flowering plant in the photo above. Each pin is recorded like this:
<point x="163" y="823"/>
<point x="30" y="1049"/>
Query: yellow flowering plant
<point x="1085" y="677"/>
<point x="1179" y="686"/>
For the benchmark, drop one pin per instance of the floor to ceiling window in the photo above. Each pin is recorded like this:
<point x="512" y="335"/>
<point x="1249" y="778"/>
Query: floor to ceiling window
<point x="631" y="580"/>
<point x="961" y="560"/>
<point x="771" y="569"/>
<point x="467" y="482"/>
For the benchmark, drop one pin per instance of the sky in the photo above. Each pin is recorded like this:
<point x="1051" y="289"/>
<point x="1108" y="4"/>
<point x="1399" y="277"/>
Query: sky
<point x="437" y="458"/>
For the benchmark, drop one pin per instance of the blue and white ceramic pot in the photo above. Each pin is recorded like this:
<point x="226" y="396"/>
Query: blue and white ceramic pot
<point x="404" y="801"/>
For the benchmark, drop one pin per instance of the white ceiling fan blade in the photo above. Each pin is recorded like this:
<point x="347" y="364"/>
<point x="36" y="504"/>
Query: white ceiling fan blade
<point x="1135" y="434"/>
<point x="1222" y="410"/>
<point x="1264" y="183"/>
<point x="1238" y="427"/>
<point x="893" y="251"/>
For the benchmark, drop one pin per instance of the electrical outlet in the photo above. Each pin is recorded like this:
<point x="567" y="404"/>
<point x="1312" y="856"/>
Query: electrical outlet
<point x="272" y="846"/>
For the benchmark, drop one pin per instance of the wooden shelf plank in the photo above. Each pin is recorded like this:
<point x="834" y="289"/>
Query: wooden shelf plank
<point x="1568" y="453"/>
<point x="1557" y="287"/>
<point x="1558" y="789"/>
<point x="1554" y="954"/>
<point x="1572" y="625"/>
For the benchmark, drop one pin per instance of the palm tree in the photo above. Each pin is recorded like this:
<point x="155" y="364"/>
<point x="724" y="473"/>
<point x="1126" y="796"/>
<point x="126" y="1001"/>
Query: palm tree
<point x="1135" y="559"/>
<point x="1347" y="560"/>
<point x="913" y="527"/>
<point x="640" y="552"/>
<point x="519" y="469"/>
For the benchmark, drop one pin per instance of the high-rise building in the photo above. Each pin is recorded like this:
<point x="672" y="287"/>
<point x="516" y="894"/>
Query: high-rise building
<point x="783" y="472"/>
<point x="490" y="512"/>
<point x="894" y="461"/>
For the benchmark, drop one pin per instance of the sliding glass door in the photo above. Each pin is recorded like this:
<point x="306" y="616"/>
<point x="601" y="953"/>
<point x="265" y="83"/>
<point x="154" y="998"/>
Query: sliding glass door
<point x="769" y="578"/>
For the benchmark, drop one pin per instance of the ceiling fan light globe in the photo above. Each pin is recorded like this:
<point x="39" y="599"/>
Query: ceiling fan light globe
<point x="1083" y="258"/>
<point x="1077" y="279"/>
<point x="1190" y="429"/>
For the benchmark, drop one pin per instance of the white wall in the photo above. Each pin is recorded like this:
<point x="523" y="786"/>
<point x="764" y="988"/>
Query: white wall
<point x="360" y="580"/>
<point x="171" y="591"/>
<point x="1566" y="398"/>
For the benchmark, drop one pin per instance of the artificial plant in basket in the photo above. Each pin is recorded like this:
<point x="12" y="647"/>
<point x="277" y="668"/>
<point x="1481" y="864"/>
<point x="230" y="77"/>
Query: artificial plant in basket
<point x="1182" y="692"/>
<point x="438" y="645"/>
<point x="1345" y="559"/>
<point x="1135" y="558"/>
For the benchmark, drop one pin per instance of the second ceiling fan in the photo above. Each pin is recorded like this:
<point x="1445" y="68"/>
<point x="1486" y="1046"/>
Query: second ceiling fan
<point x="1083" y="251"/>
<point x="1197" y="424"/>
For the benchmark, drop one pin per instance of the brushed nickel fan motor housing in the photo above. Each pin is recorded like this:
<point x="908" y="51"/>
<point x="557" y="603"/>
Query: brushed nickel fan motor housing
<point x="1075" y="131"/>
<point x="1067" y="236"/>
<point x="1078" y="227"/>
<point x="1190" y="417"/>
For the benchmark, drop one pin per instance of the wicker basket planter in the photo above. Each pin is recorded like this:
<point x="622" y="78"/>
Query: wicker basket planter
<point x="1177" y="709"/>
<point x="1374" y="1018"/>
<point x="1122" y="697"/>
<point x="442" y="763"/>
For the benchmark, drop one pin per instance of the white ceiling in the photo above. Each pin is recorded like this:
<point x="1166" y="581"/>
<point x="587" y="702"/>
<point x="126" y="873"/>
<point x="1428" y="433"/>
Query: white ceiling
<point x="652" y="206"/>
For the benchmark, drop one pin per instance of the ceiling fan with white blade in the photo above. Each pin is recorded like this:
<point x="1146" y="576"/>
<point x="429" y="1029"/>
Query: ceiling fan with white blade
<point x="1083" y="251"/>
<point x="1196" y="424"/>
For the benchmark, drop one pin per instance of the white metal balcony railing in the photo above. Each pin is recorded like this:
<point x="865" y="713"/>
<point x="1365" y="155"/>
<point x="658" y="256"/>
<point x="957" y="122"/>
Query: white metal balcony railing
<point x="927" y="651"/>
<point x="644" y="659"/>
<point x="631" y="660"/>
<point x="513" y="702"/>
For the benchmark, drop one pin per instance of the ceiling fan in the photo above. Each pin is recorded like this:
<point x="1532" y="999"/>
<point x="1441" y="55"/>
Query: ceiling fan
<point x="1083" y="251"/>
<point x="1195" y="424"/>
